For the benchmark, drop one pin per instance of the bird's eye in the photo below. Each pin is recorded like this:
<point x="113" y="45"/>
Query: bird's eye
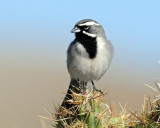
<point x="86" y="27"/>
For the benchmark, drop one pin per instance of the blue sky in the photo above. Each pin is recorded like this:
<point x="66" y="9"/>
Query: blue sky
<point x="133" y="20"/>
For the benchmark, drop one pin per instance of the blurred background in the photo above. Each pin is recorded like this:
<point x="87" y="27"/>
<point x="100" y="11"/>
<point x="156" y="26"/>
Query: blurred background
<point x="35" y="34"/>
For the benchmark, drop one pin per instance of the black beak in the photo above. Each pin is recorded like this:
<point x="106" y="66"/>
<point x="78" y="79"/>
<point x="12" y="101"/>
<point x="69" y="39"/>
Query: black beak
<point x="75" y="30"/>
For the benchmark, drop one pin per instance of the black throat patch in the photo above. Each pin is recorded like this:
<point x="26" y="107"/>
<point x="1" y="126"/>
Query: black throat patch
<point x="89" y="43"/>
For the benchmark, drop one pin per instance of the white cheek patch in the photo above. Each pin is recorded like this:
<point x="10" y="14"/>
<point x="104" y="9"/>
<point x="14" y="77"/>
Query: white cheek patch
<point x="89" y="23"/>
<point x="89" y="34"/>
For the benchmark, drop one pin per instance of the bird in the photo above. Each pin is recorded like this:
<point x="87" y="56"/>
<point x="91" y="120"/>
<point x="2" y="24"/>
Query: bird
<point x="89" y="54"/>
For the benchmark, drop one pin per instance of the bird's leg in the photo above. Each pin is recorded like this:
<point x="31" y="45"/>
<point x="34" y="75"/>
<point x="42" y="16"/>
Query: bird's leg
<point x="95" y="89"/>
<point x="84" y="87"/>
<point x="79" y="83"/>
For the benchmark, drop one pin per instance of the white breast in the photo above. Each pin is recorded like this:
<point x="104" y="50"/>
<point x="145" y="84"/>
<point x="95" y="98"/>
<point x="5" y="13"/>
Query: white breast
<point x="85" y="69"/>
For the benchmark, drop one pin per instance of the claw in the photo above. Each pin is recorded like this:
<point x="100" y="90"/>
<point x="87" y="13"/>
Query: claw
<point x="95" y="89"/>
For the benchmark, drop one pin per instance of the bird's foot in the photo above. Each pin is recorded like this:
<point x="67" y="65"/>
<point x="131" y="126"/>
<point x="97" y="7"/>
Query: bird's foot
<point x="83" y="87"/>
<point x="95" y="89"/>
<point x="98" y="90"/>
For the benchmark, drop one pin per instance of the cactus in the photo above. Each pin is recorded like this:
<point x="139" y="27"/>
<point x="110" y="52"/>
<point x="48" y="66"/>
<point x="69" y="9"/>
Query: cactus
<point x="88" y="111"/>
<point x="85" y="112"/>
<point x="150" y="113"/>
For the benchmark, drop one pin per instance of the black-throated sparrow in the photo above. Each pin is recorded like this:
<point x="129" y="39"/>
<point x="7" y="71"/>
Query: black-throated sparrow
<point x="88" y="58"/>
<point x="90" y="54"/>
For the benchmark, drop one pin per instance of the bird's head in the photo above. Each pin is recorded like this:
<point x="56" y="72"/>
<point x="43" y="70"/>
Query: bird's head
<point x="88" y="27"/>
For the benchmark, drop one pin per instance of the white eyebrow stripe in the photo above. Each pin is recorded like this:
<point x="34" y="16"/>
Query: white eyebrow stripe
<point x="89" y="34"/>
<point x="88" y="23"/>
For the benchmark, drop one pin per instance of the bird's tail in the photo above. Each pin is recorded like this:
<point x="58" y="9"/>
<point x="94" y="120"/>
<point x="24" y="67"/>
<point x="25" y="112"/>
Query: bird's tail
<point x="73" y="87"/>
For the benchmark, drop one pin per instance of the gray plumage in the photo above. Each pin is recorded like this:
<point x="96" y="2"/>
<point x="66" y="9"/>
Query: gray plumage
<point x="90" y="54"/>
<point x="88" y="58"/>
